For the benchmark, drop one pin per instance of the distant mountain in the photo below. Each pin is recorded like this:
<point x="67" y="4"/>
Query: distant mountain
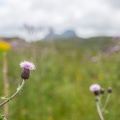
<point x="65" y="35"/>
<point x="51" y="34"/>
<point x="68" y="34"/>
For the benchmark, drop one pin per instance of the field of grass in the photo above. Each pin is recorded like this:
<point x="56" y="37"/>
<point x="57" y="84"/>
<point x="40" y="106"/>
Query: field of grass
<point x="59" y="87"/>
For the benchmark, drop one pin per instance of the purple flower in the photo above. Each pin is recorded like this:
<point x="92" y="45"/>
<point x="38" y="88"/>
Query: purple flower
<point x="27" y="65"/>
<point x="94" y="87"/>
<point x="94" y="59"/>
<point x="115" y="48"/>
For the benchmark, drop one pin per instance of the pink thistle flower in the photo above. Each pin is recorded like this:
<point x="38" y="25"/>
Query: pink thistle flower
<point x="27" y="65"/>
<point x="94" y="87"/>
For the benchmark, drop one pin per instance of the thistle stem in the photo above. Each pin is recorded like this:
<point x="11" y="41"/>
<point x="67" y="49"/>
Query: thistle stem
<point x="100" y="100"/>
<point x="21" y="86"/>
<point x="108" y="97"/>
<point x="99" y="111"/>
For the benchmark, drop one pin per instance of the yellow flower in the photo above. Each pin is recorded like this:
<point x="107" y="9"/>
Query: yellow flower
<point x="4" y="46"/>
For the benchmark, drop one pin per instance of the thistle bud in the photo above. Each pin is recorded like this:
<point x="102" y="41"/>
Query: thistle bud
<point x="102" y="91"/>
<point x="109" y="90"/>
<point x="25" y="74"/>
<point x="96" y="99"/>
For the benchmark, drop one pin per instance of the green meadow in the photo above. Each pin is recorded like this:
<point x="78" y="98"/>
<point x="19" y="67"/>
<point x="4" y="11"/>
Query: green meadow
<point x="58" y="89"/>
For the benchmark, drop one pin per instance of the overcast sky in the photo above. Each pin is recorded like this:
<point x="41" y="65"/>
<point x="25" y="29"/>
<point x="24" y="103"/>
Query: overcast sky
<point x="87" y="17"/>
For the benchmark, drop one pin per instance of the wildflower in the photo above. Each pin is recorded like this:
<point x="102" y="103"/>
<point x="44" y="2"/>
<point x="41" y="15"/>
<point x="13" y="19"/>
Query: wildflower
<point x="115" y="48"/>
<point x="27" y="66"/>
<point x="95" y="88"/>
<point x="4" y="46"/>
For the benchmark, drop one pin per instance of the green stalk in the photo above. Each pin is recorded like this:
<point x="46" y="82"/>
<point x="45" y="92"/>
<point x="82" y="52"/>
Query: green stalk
<point x="108" y="97"/>
<point x="99" y="111"/>
<point x="18" y="90"/>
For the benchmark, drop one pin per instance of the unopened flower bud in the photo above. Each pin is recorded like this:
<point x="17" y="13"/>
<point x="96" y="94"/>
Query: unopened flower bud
<point x="109" y="90"/>
<point x="102" y="91"/>
<point x="96" y="99"/>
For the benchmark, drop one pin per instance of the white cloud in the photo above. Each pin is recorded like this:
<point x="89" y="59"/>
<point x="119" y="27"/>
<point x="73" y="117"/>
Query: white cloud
<point x="87" y="17"/>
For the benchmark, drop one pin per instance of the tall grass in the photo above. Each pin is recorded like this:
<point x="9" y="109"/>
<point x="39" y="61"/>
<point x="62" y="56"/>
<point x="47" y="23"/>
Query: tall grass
<point x="59" y="87"/>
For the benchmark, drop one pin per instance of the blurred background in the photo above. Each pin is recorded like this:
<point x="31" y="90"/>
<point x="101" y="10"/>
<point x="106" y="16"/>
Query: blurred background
<point x="73" y="44"/>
